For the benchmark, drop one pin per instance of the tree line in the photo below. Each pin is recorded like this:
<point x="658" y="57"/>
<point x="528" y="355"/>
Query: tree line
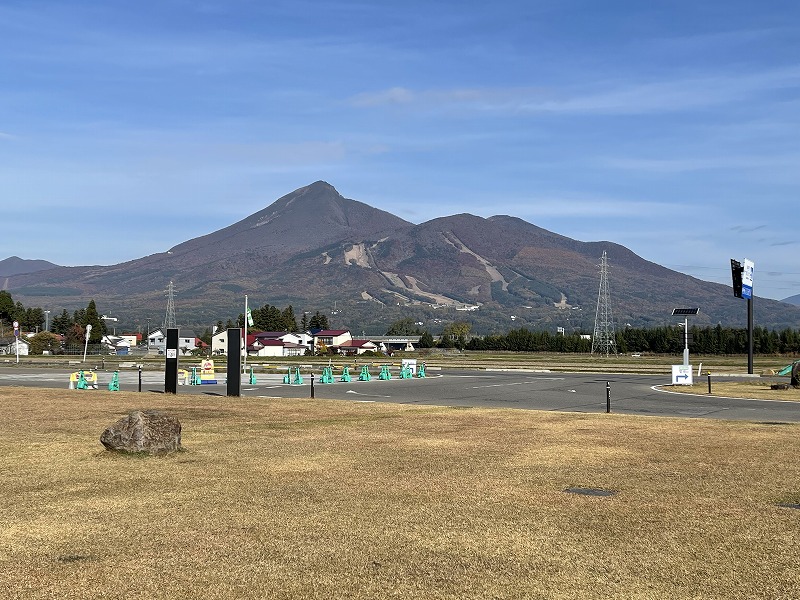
<point x="659" y="340"/>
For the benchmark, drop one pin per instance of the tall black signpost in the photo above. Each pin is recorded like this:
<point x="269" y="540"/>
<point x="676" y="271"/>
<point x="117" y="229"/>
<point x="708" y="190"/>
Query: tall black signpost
<point x="234" y="362"/>
<point x="742" y="275"/>
<point x="171" y="368"/>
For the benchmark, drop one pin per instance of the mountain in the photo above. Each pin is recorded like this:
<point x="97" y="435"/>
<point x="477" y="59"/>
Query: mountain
<point x="15" y="265"/>
<point x="792" y="300"/>
<point x="319" y="251"/>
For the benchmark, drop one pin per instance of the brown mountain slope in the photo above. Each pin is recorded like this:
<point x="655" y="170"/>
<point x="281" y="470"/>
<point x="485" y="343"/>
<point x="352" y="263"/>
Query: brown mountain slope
<point x="313" y="248"/>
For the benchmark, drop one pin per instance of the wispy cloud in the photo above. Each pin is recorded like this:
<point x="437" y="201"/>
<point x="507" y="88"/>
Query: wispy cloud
<point x="599" y="97"/>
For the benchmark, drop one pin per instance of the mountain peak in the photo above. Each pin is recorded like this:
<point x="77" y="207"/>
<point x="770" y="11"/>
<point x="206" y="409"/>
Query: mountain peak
<point x="307" y="218"/>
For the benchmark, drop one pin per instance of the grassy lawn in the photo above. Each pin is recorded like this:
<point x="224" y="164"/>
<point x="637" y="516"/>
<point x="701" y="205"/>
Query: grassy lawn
<point x="324" y="499"/>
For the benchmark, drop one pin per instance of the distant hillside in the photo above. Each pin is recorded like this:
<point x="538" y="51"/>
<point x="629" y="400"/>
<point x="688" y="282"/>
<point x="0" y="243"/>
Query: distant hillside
<point x="317" y="250"/>
<point x="792" y="300"/>
<point x="15" y="265"/>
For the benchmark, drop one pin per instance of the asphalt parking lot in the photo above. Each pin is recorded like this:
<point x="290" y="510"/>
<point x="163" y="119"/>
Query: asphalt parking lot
<point x="569" y="392"/>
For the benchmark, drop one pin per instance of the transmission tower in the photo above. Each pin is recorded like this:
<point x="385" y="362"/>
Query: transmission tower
<point x="169" y="319"/>
<point x="603" y="340"/>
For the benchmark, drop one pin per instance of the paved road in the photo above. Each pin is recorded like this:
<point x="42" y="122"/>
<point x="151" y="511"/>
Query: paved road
<point x="630" y="394"/>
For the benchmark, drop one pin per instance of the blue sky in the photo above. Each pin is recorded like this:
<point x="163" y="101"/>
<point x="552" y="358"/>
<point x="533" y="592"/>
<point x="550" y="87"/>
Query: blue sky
<point x="672" y="128"/>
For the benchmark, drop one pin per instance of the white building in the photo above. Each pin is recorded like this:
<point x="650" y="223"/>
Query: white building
<point x="157" y="341"/>
<point x="9" y="345"/>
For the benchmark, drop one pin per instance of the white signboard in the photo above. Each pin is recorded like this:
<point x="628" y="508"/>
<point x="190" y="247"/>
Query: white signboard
<point x="172" y="353"/>
<point x="411" y="363"/>
<point x="682" y="375"/>
<point x="747" y="278"/>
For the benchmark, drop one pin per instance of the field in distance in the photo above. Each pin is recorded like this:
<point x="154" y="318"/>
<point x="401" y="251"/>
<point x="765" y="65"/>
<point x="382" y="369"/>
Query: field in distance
<point x="332" y="499"/>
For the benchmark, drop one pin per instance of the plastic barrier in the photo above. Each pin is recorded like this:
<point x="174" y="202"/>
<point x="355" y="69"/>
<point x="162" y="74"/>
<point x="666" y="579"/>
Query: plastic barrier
<point x="405" y="372"/>
<point x="385" y="375"/>
<point x="364" y="376"/>
<point x="83" y="380"/>
<point x="345" y="374"/>
<point x="252" y="377"/>
<point x="421" y="370"/>
<point x="288" y="377"/>
<point x="327" y="375"/>
<point x="183" y="376"/>
<point x="113" y="385"/>
<point x="195" y="378"/>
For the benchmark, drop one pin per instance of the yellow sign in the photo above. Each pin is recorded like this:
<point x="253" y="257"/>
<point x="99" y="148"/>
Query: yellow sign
<point x="207" y="372"/>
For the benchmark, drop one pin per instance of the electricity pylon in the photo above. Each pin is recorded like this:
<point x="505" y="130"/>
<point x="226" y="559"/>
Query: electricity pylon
<point x="603" y="340"/>
<point x="169" y="319"/>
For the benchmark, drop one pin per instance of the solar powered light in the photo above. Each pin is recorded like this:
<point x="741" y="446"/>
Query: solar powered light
<point x="685" y="312"/>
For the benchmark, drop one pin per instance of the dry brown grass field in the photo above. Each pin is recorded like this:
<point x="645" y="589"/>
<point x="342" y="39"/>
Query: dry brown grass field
<point x="739" y="389"/>
<point x="323" y="499"/>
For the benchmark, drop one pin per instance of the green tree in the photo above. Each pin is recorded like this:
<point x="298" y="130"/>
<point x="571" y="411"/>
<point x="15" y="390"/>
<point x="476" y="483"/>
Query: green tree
<point x="205" y="337"/>
<point x="45" y="340"/>
<point x="289" y="320"/>
<point x="90" y="316"/>
<point x="32" y="319"/>
<point x="425" y="340"/>
<point x="454" y="335"/>
<point x="7" y="306"/>
<point x="405" y="326"/>
<point x="62" y="323"/>
<point x="318" y="321"/>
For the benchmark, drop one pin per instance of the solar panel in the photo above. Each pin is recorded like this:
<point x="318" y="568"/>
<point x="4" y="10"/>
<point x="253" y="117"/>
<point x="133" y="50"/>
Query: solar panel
<point x="685" y="311"/>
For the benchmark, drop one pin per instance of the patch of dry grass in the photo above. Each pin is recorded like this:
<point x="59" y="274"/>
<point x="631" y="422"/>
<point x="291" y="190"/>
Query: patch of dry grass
<point x="315" y="499"/>
<point x="738" y="389"/>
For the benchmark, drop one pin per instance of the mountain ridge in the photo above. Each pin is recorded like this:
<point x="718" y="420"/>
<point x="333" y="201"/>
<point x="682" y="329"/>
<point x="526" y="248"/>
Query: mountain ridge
<point x="316" y="249"/>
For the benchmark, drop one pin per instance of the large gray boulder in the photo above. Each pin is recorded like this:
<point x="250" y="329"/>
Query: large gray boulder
<point x="147" y="431"/>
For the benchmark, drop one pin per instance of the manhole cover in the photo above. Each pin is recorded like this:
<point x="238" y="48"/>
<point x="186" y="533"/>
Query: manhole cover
<point x="589" y="491"/>
<point x="69" y="558"/>
<point x="795" y="506"/>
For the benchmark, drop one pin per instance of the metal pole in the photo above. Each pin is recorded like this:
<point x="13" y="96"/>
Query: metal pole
<point x="312" y="384"/>
<point x="608" y="396"/>
<point x="86" y="345"/>
<point x="750" y="335"/>
<point x="709" y="383"/>
<point x="686" y="342"/>
<point x="244" y="362"/>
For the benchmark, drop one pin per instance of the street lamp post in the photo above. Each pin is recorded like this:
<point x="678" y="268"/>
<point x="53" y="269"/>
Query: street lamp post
<point x="47" y="320"/>
<point x="685" y="312"/>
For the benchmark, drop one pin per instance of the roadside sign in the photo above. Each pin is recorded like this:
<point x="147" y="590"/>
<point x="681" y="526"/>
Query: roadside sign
<point x="747" y="279"/>
<point x="682" y="375"/>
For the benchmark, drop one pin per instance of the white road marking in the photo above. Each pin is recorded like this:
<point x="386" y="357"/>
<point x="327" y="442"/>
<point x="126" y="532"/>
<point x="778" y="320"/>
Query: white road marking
<point x="368" y="395"/>
<point x="477" y="387"/>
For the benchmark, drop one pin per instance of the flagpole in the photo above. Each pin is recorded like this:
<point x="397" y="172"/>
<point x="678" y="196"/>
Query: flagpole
<point x="244" y="362"/>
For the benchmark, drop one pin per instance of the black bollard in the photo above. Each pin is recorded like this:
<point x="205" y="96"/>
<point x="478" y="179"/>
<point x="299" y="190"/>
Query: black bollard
<point x="709" y="382"/>
<point x="608" y="396"/>
<point x="312" y="384"/>
<point x="140" y="378"/>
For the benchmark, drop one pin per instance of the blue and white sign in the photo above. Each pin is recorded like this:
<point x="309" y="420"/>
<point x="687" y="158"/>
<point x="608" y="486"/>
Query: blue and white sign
<point x="682" y="375"/>
<point x="747" y="279"/>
